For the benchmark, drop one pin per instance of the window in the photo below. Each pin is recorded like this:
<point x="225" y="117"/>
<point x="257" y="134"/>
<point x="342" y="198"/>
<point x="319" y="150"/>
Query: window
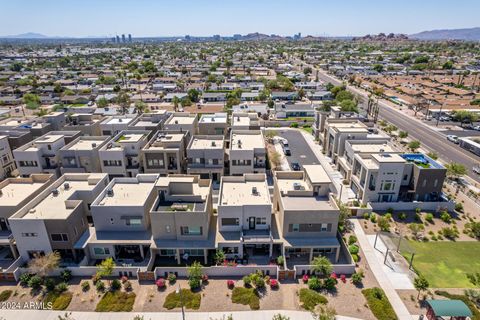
<point x="192" y="252"/>
<point x="28" y="163"/>
<point x="59" y="237"/>
<point x="295" y="227"/>
<point x="324" y="227"/>
<point x="133" y="221"/>
<point x="75" y="229"/>
<point x="29" y="234"/>
<point x="387" y="185"/>
<point x="424" y="183"/>
<point x="155" y="162"/>
<point x="230" y="250"/>
<point x="230" y="221"/>
<point x="101" y="251"/>
<point x="435" y="183"/>
<point x="168" y="252"/>
<point x="191" y="231"/>
<point x="112" y="163"/>
<point x="261" y="220"/>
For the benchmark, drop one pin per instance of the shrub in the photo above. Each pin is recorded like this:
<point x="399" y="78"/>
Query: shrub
<point x="294" y="125"/>
<point x="115" y="285"/>
<point x="388" y="216"/>
<point x="329" y="283"/>
<point x="450" y="233"/>
<point x="429" y="218"/>
<point x="25" y="279"/>
<point x="267" y="279"/>
<point x="127" y="285"/>
<point x="230" y="284"/>
<point x="402" y="216"/>
<point x="160" y="283"/>
<point x="305" y="278"/>
<point x="343" y="278"/>
<point x="100" y="286"/>
<point x="172" y="278"/>
<point x="355" y="257"/>
<point x="259" y="283"/>
<point x="352" y="239"/>
<point x="247" y="281"/>
<point x="353" y="249"/>
<point x="190" y="300"/>
<point x="445" y="216"/>
<point x="459" y="207"/>
<point x="379" y="304"/>
<point x="309" y="299"/>
<point x="5" y="295"/>
<point x="281" y="260"/>
<point x="62" y="301"/>
<point x="418" y="210"/>
<point x="85" y="286"/>
<point x="35" y="282"/>
<point x="95" y="278"/>
<point x="194" y="283"/>
<point x="366" y="216"/>
<point x="62" y="287"/>
<point x="384" y="224"/>
<point x="390" y="210"/>
<point x="373" y="218"/>
<point x="246" y="296"/>
<point x="357" y="277"/>
<point x="66" y="275"/>
<point x="273" y="284"/>
<point x="314" y="283"/>
<point x="49" y="284"/>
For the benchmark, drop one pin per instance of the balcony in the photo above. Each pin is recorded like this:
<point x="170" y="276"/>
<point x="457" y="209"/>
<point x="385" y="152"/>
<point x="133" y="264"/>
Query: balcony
<point x="256" y="236"/>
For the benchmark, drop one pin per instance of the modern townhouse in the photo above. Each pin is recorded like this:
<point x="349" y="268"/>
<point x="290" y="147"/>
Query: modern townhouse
<point x="213" y="124"/>
<point x="286" y="110"/>
<point x="35" y="126"/>
<point x="57" y="217"/>
<point x="87" y="123"/>
<point x="122" y="156"/>
<point x="112" y="125"/>
<point x="182" y="121"/>
<point x="307" y="215"/>
<point x="152" y="121"/>
<point x="14" y="194"/>
<point x="205" y="156"/>
<point x="56" y="119"/>
<point x="16" y="138"/>
<point x="245" y="218"/>
<point x="81" y="155"/>
<point x="247" y="153"/>
<point x="245" y="121"/>
<point x="7" y="163"/>
<point x="183" y="226"/>
<point x="166" y="152"/>
<point x="121" y="221"/>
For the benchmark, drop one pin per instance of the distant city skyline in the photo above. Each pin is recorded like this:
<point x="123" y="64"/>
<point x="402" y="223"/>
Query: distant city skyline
<point x="143" y="18"/>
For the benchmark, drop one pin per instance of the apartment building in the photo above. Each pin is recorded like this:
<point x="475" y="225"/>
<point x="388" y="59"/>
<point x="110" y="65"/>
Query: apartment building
<point x="122" y="156"/>
<point x="57" y="217"/>
<point x="16" y="138"/>
<point x="205" y="156"/>
<point x="307" y="215"/>
<point x="182" y="121"/>
<point x="14" y="194"/>
<point x="121" y="221"/>
<point x="337" y="132"/>
<point x="247" y="153"/>
<point x="112" y="125"/>
<point x="87" y="123"/>
<point x="7" y="163"/>
<point x="165" y="153"/>
<point x="183" y="227"/>
<point x="35" y="126"/>
<point x="245" y="121"/>
<point x="245" y="216"/>
<point x="213" y="124"/>
<point x="81" y="155"/>
<point x="152" y="121"/>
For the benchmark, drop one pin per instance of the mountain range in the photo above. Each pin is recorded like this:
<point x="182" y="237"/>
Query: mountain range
<point x="470" y="34"/>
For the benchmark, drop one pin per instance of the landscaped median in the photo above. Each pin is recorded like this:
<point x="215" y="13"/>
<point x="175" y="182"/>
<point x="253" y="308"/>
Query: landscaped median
<point x="379" y="304"/>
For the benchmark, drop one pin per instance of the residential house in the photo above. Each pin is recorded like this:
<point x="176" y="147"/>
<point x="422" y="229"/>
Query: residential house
<point x="213" y="124"/>
<point x="247" y="153"/>
<point x="81" y="155"/>
<point x="166" y="152"/>
<point x="205" y="156"/>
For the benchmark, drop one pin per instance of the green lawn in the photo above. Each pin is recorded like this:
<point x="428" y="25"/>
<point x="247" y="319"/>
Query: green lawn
<point x="191" y="300"/>
<point x="114" y="301"/>
<point x="246" y="296"/>
<point x="445" y="264"/>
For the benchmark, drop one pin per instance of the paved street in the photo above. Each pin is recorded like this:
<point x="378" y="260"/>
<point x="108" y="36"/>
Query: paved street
<point x="430" y="138"/>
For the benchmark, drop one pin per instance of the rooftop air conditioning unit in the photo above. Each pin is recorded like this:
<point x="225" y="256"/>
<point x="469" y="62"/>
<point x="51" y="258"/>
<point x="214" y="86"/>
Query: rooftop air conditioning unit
<point x="120" y="120"/>
<point x="176" y="121"/>
<point x="55" y="192"/>
<point x="94" y="145"/>
<point x="66" y="185"/>
<point x="254" y="190"/>
<point x="214" y="144"/>
<point x="239" y="143"/>
<point x="110" y="192"/>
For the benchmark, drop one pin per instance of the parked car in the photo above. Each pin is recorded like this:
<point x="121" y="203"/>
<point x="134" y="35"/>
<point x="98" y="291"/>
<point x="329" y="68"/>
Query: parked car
<point x="295" y="166"/>
<point x="476" y="169"/>
<point x="452" y="138"/>
<point x="286" y="151"/>
<point x="476" y="128"/>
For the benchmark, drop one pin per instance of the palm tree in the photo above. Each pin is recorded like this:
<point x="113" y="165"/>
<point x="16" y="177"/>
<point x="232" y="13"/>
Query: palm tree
<point x="322" y="265"/>
<point x="176" y="101"/>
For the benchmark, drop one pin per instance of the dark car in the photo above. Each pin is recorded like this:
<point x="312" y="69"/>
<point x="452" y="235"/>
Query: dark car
<point x="295" y="166"/>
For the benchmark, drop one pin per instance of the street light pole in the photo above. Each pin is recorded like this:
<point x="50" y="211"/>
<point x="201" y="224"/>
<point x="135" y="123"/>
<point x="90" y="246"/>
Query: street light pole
<point x="179" y="291"/>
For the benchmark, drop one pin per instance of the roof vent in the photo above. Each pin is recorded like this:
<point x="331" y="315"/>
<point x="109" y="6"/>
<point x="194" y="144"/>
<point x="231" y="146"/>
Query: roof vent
<point x="94" y="145"/>
<point x="213" y="119"/>
<point x="66" y="185"/>
<point x="239" y="144"/>
<point x="382" y="150"/>
<point x="110" y="192"/>
<point x="214" y="144"/>
<point x="120" y="120"/>
<point x="254" y="190"/>
<point x="176" y="121"/>
<point x="55" y="192"/>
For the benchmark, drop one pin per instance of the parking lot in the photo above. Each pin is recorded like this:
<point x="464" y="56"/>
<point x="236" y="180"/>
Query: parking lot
<point x="301" y="152"/>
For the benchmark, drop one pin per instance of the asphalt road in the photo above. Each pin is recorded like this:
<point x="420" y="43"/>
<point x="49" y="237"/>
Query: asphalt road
<point x="431" y="139"/>
<point x="299" y="148"/>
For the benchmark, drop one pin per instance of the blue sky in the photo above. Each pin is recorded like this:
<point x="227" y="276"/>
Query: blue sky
<point x="208" y="17"/>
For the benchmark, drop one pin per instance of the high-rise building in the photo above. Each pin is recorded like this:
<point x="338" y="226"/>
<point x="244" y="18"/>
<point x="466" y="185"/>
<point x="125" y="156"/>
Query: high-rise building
<point x="118" y="39"/>
<point x="113" y="39"/>
<point x="129" y="37"/>
<point x="123" y="37"/>
<point x="188" y="38"/>
<point x="216" y="37"/>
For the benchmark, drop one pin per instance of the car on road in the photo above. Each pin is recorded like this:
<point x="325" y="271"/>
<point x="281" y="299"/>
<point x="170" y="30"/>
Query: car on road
<point x="295" y="166"/>
<point x="476" y="169"/>
<point x="476" y="128"/>
<point x="452" y="138"/>
<point x="285" y="147"/>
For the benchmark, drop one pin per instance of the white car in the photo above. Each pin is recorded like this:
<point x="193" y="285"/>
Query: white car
<point x="476" y="128"/>
<point x="452" y="138"/>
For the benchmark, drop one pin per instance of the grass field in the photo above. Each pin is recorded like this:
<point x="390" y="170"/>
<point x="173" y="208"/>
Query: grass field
<point x="445" y="264"/>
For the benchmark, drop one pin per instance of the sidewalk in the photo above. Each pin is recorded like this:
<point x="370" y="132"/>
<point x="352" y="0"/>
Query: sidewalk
<point x="379" y="273"/>
<point x="237" y="315"/>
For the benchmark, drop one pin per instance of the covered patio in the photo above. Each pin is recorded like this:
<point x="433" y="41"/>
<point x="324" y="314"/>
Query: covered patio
<point x="447" y="309"/>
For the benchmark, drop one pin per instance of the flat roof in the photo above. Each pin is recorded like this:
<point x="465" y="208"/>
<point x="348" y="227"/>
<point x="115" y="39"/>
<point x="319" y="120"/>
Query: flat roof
<point x="130" y="137"/>
<point x="388" y="157"/>
<point x="206" y="143"/>
<point x="84" y="144"/>
<point x="249" y="141"/>
<point x="15" y="192"/>
<point x="163" y="141"/>
<point x="131" y="193"/>
<point x="317" y="173"/>
<point x="371" y="148"/>
<point x="214" y="118"/>
<point x="241" y="121"/>
<point x="236" y="193"/>
<point x="181" y="120"/>
<point x="49" y="138"/>
<point x="117" y="120"/>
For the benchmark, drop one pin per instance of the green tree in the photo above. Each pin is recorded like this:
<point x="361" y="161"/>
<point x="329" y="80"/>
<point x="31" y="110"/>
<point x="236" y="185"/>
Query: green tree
<point x="140" y="106"/>
<point x="464" y="116"/>
<point x="378" y="67"/>
<point x="416" y="228"/>
<point x="105" y="268"/>
<point x="31" y="100"/>
<point x="102" y="102"/>
<point x="219" y="256"/>
<point x="421" y="284"/>
<point x="123" y="99"/>
<point x="448" y="65"/>
<point x="193" y="95"/>
<point x="322" y="265"/>
<point x="194" y="272"/>
<point x="175" y="101"/>
<point x="414" y="145"/>
<point x="455" y="170"/>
